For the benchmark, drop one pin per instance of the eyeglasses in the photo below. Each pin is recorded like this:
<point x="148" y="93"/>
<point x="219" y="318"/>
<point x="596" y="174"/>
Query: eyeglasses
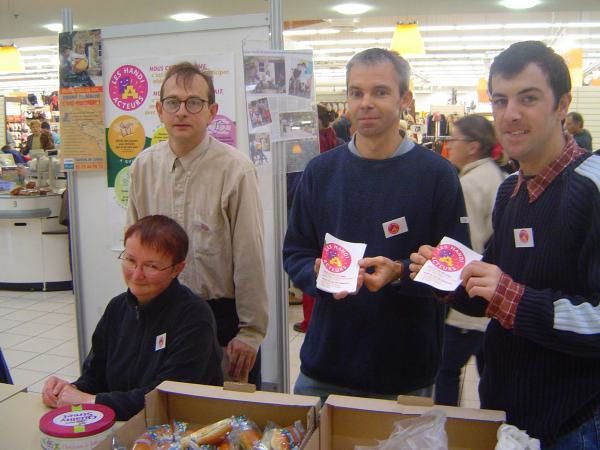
<point x="193" y="104"/>
<point x="148" y="269"/>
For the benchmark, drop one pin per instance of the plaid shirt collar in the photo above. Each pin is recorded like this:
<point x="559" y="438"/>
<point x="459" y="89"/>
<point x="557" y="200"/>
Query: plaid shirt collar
<point x="538" y="184"/>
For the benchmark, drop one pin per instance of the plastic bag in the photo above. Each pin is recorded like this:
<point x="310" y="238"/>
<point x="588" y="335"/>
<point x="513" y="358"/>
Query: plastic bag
<point x="511" y="438"/>
<point x="426" y="432"/>
<point x="278" y="438"/>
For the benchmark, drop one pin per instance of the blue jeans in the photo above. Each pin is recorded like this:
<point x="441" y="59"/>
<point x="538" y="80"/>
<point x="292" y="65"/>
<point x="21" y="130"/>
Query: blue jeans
<point x="309" y="386"/>
<point x="459" y="345"/>
<point x="586" y="437"/>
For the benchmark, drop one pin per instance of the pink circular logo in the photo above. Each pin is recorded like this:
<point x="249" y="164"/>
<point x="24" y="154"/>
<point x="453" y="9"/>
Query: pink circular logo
<point x="336" y="258"/>
<point x="128" y="88"/>
<point x="223" y="129"/>
<point x="448" y="258"/>
<point x="393" y="228"/>
<point x="524" y="236"/>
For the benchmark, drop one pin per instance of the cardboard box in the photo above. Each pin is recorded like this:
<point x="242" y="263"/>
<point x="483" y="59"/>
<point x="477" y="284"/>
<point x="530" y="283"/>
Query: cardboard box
<point x="202" y="405"/>
<point x="349" y="421"/>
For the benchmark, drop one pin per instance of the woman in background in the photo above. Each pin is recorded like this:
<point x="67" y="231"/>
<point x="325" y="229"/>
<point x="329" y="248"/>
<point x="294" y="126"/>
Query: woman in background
<point x="469" y="149"/>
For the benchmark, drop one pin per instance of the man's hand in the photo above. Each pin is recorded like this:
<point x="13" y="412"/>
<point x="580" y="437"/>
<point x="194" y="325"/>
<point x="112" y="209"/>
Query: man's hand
<point x="481" y="279"/>
<point x="384" y="272"/>
<point x="418" y="260"/>
<point x="70" y="395"/>
<point x="52" y="389"/>
<point x="343" y="294"/>
<point x="241" y="360"/>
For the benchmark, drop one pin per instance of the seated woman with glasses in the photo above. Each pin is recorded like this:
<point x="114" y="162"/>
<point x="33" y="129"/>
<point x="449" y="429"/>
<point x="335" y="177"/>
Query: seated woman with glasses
<point x="158" y="330"/>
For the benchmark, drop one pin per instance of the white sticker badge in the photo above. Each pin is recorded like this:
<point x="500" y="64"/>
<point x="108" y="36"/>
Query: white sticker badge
<point x="523" y="237"/>
<point x="161" y="342"/>
<point x="395" y="227"/>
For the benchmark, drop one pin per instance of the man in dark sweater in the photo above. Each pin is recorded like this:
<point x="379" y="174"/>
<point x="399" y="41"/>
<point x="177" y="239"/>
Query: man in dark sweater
<point x="539" y="280"/>
<point x="394" y="195"/>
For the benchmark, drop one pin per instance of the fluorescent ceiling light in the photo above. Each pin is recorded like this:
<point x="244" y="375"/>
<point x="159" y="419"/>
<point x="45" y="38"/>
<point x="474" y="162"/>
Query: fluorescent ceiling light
<point x="57" y="27"/>
<point x="187" y="17"/>
<point x="351" y="9"/>
<point x="375" y="30"/>
<point x="310" y="32"/>
<point x="519" y="4"/>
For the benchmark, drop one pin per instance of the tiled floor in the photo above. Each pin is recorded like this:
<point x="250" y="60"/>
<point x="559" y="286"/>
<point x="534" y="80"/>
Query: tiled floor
<point x="38" y="337"/>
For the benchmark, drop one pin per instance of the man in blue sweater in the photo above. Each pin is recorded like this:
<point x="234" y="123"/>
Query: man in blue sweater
<point x="394" y="195"/>
<point x="539" y="280"/>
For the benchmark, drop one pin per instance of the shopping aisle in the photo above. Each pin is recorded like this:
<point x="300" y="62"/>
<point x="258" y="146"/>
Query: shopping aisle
<point x="38" y="336"/>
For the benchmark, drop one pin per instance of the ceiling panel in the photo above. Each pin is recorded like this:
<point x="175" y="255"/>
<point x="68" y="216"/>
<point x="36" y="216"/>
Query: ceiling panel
<point x="455" y="58"/>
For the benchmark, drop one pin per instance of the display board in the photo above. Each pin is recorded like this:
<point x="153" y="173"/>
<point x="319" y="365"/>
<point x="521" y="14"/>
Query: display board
<point x="99" y="271"/>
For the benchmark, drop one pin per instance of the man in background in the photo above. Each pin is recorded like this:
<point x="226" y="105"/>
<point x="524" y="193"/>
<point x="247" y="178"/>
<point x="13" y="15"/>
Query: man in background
<point x="55" y="136"/>
<point x="574" y="125"/>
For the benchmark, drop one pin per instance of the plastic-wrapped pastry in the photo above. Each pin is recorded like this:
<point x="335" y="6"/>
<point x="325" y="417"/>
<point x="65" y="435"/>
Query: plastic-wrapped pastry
<point x="212" y="434"/>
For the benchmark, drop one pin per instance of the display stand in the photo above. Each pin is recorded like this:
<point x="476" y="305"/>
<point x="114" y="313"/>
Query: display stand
<point x="100" y="276"/>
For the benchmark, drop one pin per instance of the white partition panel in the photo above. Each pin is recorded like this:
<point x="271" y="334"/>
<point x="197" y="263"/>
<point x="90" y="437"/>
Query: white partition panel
<point x="99" y="272"/>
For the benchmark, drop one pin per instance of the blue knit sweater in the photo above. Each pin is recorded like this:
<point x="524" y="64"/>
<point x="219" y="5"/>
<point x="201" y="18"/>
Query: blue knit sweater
<point x="386" y="342"/>
<point x="545" y="373"/>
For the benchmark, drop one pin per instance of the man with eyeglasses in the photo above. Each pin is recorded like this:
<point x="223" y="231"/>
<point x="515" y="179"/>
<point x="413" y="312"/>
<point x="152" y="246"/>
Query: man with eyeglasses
<point x="211" y="190"/>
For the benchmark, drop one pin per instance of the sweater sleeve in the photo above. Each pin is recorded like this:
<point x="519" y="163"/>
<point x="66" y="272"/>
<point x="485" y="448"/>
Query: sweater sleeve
<point x="93" y="372"/>
<point x="190" y="359"/>
<point x="301" y="244"/>
<point x="563" y="321"/>
<point x="251" y="302"/>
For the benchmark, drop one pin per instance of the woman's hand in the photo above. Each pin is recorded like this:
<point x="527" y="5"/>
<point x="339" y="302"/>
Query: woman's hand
<point x="52" y="389"/>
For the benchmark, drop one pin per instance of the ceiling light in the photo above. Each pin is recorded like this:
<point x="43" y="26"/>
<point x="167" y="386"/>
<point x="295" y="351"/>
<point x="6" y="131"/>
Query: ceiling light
<point x="10" y="59"/>
<point x="310" y="32"/>
<point x="57" y="27"/>
<point x="519" y="4"/>
<point x="351" y="9"/>
<point x="187" y="17"/>
<point x="407" y="40"/>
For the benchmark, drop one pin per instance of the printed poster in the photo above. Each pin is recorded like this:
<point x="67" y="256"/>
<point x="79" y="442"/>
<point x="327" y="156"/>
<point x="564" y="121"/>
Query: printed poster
<point x="132" y="124"/>
<point x="81" y="99"/>
<point x="280" y="101"/>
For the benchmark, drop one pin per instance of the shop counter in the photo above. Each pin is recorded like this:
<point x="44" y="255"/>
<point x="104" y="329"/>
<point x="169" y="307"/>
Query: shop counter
<point x="34" y="247"/>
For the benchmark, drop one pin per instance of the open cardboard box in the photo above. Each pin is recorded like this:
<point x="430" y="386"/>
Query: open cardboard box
<point x="202" y="405"/>
<point x="349" y="421"/>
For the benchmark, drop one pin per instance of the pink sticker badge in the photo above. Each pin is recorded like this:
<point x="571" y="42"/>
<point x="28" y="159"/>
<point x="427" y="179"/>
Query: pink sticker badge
<point x="448" y="258"/>
<point x="128" y="88"/>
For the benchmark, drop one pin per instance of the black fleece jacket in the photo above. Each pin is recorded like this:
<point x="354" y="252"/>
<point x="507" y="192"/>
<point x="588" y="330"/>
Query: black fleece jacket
<point x="135" y="348"/>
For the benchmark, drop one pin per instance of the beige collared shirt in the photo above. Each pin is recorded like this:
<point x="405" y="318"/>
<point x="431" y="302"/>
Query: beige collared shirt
<point x="212" y="192"/>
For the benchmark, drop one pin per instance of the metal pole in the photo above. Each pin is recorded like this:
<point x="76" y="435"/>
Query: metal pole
<point x="67" y="22"/>
<point x="280" y="222"/>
